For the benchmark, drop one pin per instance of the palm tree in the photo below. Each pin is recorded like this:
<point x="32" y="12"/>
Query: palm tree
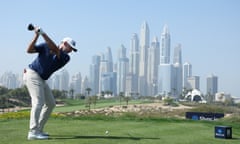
<point x="71" y="93"/>
<point x="127" y="99"/>
<point x="88" y="102"/>
<point x="94" y="100"/>
<point x="102" y="94"/>
<point x="88" y="91"/>
<point x="121" y="95"/>
<point x="64" y="93"/>
<point x="108" y="92"/>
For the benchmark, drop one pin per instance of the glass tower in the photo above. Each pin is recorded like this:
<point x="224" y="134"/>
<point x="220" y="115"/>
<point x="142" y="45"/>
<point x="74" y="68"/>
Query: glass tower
<point x="152" y="69"/>
<point x="122" y="70"/>
<point x="144" y="45"/>
<point x="134" y="64"/>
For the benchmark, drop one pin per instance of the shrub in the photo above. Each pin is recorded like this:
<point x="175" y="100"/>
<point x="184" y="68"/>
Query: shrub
<point x="15" y="115"/>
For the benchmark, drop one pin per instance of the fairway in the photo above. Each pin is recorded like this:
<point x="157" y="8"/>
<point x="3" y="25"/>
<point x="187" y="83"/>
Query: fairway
<point x="74" y="131"/>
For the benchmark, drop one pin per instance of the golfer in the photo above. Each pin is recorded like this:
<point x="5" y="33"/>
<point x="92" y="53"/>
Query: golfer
<point x="50" y="59"/>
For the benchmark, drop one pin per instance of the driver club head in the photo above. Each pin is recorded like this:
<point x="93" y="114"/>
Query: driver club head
<point x="31" y="27"/>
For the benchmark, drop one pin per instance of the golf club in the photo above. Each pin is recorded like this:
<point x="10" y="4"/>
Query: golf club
<point x="31" y="27"/>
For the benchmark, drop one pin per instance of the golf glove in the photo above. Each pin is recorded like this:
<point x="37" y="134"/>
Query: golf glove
<point x="40" y="31"/>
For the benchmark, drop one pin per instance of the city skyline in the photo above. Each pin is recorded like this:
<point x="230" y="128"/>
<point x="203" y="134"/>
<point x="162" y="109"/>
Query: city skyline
<point x="207" y="31"/>
<point x="156" y="74"/>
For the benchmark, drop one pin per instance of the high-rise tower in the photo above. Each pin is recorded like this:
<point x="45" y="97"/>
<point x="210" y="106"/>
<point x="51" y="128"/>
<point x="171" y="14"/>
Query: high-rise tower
<point x="152" y="67"/>
<point x="76" y="84"/>
<point x="122" y="70"/>
<point x="165" y="70"/>
<point x="177" y="66"/>
<point x="177" y="56"/>
<point x="165" y="46"/>
<point x="108" y="58"/>
<point x="85" y="85"/>
<point x="106" y="66"/>
<point x="64" y="80"/>
<point x="94" y="74"/>
<point x="144" y="45"/>
<point x="187" y="72"/>
<point x="212" y="84"/>
<point x="134" y="64"/>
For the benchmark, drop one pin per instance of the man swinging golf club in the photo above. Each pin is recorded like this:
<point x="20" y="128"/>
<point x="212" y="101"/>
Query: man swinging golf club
<point x="50" y="59"/>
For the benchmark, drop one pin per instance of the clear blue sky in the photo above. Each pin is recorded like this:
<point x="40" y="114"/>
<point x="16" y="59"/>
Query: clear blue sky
<point x="208" y="30"/>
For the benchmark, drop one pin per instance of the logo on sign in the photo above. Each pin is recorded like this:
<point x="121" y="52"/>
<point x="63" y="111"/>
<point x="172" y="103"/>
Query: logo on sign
<point x="219" y="132"/>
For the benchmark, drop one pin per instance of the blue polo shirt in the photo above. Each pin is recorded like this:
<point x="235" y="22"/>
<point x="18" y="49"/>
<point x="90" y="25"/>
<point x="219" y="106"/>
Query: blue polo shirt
<point x="47" y="63"/>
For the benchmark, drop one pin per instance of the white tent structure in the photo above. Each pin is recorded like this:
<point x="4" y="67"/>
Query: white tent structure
<point x="195" y="95"/>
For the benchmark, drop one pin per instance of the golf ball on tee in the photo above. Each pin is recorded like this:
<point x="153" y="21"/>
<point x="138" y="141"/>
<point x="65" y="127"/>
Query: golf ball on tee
<point x="106" y="132"/>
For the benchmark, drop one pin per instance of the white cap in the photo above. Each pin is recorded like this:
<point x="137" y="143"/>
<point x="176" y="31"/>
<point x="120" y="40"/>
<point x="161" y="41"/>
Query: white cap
<point x="71" y="42"/>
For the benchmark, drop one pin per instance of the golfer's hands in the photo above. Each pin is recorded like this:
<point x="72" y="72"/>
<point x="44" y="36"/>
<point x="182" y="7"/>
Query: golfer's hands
<point x="39" y="30"/>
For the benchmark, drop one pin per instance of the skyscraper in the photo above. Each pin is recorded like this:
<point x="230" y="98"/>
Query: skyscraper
<point x="165" y="46"/>
<point x="187" y="72"/>
<point x="64" y="80"/>
<point x="9" y="80"/>
<point x="134" y="55"/>
<point x="152" y="67"/>
<point x="165" y="73"/>
<point x="144" y="45"/>
<point x="134" y="64"/>
<point x="177" y="56"/>
<point x="165" y="79"/>
<point x="108" y="58"/>
<point x="106" y="66"/>
<point x="108" y="82"/>
<point x="76" y="83"/>
<point x="55" y="81"/>
<point x="122" y="70"/>
<point x="85" y="85"/>
<point x="94" y="74"/>
<point x="212" y="84"/>
<point x="177" y="74"/>
<point x="194" y="82"/>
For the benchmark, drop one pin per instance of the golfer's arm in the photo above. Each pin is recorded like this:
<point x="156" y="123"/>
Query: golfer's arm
<point x="31" y="47"/>
<point x="51" y="44"/>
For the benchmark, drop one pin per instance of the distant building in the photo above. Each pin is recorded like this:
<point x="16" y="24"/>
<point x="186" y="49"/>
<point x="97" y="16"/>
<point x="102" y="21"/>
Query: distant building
<point x="144" y="45"/>
<point x="76" y="83"/>
<point x="177" y="72"/>
<point x="212" y="84"/>
<point x="165" y="69"/>
<point x="132" y="78"/>
<point x="108" y="82"/>
<point x="64" y="80"/>
<point x="195" y="95"/>
<point x="194" y="82"/>
<point x="106" y="66"/>
<point x="165" y="79"/>
<point x="85" y="85"/>
<point x="9" y="80"/>
<point x="94" y="74"/>
<point x="152" y="69"/>
<point x="122" y="69"/>
<point x="222" y="97"/>
<point x="187" y="72"/>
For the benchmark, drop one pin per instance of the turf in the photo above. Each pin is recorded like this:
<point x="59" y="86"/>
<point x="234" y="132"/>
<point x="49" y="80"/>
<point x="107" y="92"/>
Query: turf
<point x="127" y="131"/>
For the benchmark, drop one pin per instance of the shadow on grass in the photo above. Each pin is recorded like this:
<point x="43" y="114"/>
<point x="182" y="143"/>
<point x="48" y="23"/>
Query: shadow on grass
<point x="54" y="137"/>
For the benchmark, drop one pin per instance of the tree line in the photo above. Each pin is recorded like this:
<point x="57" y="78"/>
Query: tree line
<point x="10" y="98"/>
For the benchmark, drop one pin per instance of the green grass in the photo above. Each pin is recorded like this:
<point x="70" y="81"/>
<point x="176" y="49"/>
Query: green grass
<point x="129" y="128"/>
<point x="121" y="130"/>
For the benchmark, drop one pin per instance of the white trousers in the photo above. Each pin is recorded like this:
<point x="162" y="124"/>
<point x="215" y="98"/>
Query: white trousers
<point x="42" y="99"/>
